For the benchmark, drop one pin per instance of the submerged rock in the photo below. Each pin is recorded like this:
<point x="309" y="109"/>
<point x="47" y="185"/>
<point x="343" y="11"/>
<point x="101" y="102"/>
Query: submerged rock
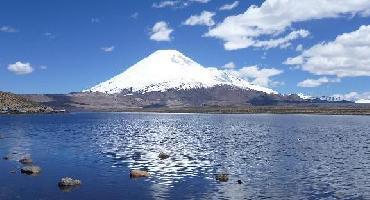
<point x="222" y="177"/>
<point x="68" y="182"/>
<point x="138" y="173"/>
<point x="163" y="156"/>
<point x="239" y="182"/>
<point x="6" y="158"/>
<point x="31" y="170"/>
<point x="25" y="161"/>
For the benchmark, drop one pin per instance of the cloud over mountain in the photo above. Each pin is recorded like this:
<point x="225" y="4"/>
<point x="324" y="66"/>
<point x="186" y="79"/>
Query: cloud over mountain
<point x="310" y="83"/>
<point x="161" y="32"/>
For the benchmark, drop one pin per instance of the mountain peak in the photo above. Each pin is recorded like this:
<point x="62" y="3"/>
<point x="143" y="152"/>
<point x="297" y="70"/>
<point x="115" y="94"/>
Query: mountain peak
<point x="170" y="69"/>
<point x="167" y="52"/>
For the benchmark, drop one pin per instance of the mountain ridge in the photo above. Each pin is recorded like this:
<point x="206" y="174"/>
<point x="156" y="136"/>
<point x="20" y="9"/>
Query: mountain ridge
<point x="170" y="69"/>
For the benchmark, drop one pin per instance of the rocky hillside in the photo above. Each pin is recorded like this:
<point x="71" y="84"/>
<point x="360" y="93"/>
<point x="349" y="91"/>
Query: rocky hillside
<point x="218" y="96"/>
<point x="12" y="103"/>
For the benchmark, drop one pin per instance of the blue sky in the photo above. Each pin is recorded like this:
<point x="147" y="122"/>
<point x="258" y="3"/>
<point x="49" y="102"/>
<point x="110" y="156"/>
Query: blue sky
<point x="63" y="41"/>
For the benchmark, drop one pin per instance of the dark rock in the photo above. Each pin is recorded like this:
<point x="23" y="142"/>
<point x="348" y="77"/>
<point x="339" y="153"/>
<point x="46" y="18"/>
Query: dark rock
<point x="222" y="177"/>
<point x="6" y="158"/>
<point x="239" y="181"/>
<point x="68" y="182"/>
<point x="32" y="169"/>
<point x="163" y="156"/>
<point x="138" y="174"/>
<point x="26" y="161"/>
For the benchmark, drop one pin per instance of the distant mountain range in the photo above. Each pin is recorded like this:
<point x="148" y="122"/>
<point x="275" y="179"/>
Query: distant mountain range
<point x="168" y="81"/>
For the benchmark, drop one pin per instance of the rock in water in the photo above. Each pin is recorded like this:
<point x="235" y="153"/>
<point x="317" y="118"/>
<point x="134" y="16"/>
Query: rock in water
<point x="68" y="182"/>
<point x="31" y="170"/>
<point x="222" y="177"/>
<point x="138" y="173"/>
<point x="239" y="182"/>
<point x="163" y="156"/>
<point x="25" y="161"/>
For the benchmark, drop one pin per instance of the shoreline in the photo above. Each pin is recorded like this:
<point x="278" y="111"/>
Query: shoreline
<point x="224" y="110"/>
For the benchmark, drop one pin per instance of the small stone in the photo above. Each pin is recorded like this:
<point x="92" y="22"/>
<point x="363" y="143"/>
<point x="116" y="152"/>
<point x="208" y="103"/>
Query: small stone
<point x="31" y="170"/>
<point x="6" y="158"/>
<point x="222" y="177"/>
<point x="68" y="182"/>
<point x="239" y="181"/>
<point x="163" y="156"/>
<point x="25" y="161"/>
<point x="12" y="172"/>
<point x="138" y="173"/>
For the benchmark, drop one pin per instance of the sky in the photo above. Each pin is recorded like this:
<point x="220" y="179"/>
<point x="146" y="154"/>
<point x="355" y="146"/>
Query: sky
<point x="315" y="47"/>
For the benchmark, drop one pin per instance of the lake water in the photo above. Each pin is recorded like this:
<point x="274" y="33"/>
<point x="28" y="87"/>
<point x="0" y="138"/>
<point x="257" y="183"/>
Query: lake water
<point x="275" y="156"/>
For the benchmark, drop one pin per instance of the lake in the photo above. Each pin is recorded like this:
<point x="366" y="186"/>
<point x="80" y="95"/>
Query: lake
<point x="275" y="156"/>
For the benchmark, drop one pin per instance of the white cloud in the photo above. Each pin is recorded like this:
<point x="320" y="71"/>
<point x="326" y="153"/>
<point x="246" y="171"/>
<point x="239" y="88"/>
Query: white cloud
<point x="8" y="29"/>
<point x="20" y="68"/>
<point x="347" y="56"/>
<point x="275" y="17"/>
<point x="282" y="42"/>
<point x="259" y="76"/>
<point x="161" y="32"/>
<point x="200" y="1"/>
<point x="108" y="49"/>
<point x="353" y="96"/>
<point x="164" y="4"/>
<point x="176" y="3"/>
<point x="205" y="18"/>
<point x="317" y="82"/>
<point x="230" y="65"/>
<point x="230" y="6"/>
<point x="299" y="47"/>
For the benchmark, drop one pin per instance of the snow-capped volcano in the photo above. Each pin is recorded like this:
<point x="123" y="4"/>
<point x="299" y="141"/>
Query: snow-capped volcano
<point x="170" y="69"/>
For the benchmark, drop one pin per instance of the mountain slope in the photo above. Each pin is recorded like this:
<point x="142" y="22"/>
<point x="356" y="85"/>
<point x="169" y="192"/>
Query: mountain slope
<point x="12" y="103"/>
<point x="169" y="69"/>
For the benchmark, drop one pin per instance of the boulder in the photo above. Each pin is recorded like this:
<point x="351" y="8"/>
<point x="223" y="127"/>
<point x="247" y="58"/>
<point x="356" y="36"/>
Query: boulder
<point x="26" y="161"/>
<point x="222" y="177"/>
<point x="138" y="173"/>
<point x="68" y="182"/>
<point x="32" y="169"/>
<point x="163" y="156"/>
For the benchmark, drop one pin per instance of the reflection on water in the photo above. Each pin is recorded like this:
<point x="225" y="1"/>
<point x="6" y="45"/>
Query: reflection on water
<point x="275" y="156"/>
